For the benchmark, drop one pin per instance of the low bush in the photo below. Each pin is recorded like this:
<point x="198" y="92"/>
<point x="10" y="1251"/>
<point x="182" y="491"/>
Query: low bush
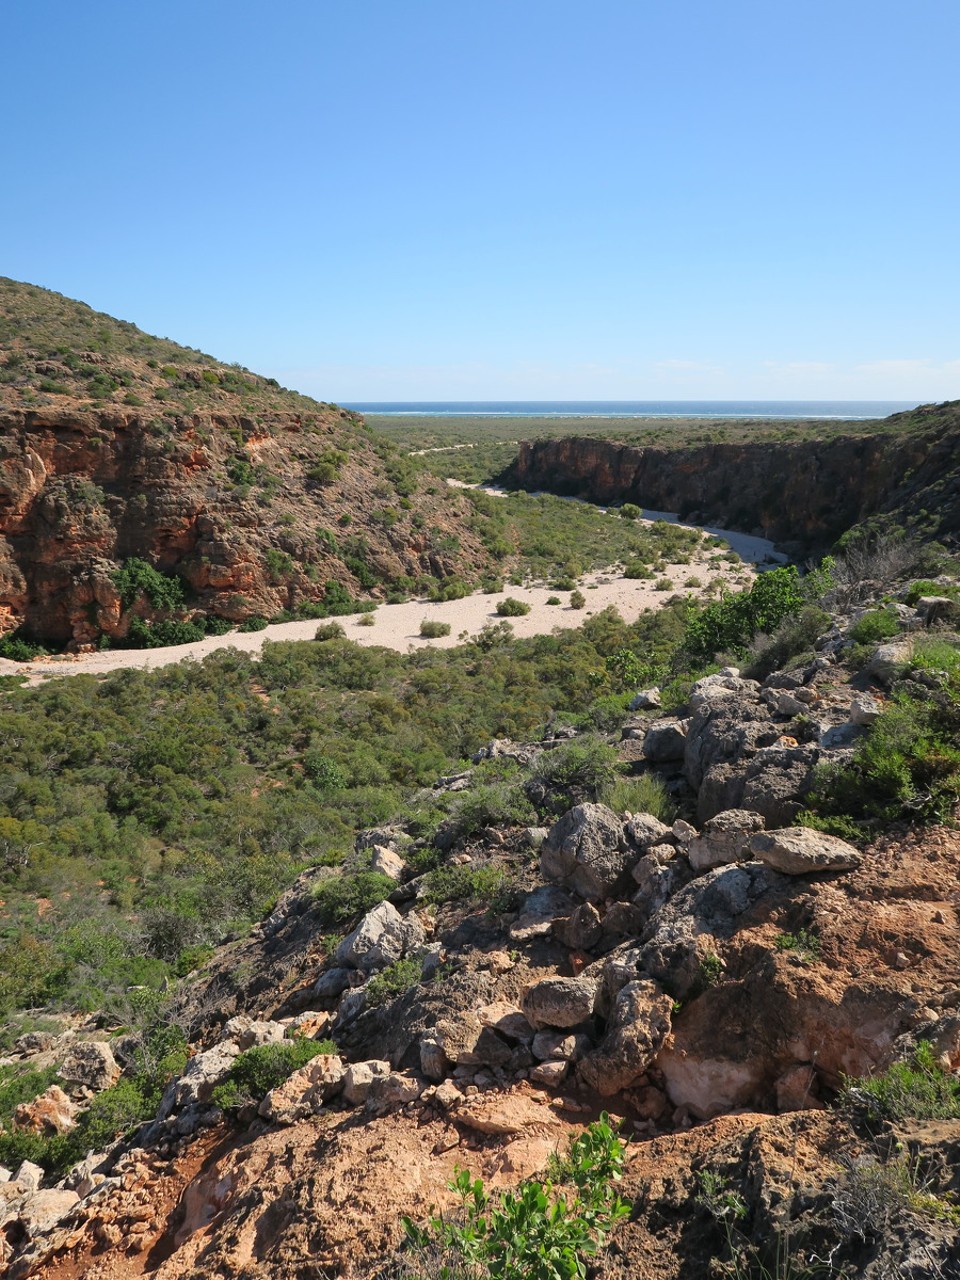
<point x="877" y="625"/>
<point x="488" y="886"/>
<point x="730" y="624"/>
<point x="393" y="981"/>
<point x="258" y="1070"/>
<point x="432" y="629"/>
<point x="918" y="1089"/>
<point x="645" y="794"/>
<point x="342" y="899"/>
<point x="577" y="600"/>
<point x="512" y="608"/>
<point x="585" y="765"/>
<point x="253" y="624"/>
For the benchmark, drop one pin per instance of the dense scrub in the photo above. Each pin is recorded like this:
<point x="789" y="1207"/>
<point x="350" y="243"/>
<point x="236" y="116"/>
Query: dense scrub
<point x="156" y="811"/>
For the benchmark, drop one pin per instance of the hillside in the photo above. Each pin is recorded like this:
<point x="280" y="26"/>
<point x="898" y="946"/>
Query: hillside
<point x="729" y="918"/>
<point x="117" y="447"/>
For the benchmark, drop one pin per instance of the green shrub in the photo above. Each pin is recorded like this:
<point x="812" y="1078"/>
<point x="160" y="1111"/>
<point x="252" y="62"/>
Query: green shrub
<point x="329" y="631"/>
<point x="795" y="636"/>
<point x="496" y="804"/>
<point x="215" y="626"/>
<point x="342" y="899"/>
<point x="323" y="771"/>
<point x="926" y="587"/>
<point x="22" y="1084"/>
<point x="919" y="1089"/>
<point x="577" y="600"/>
<point x="258" y="1070"/>
<point x="18" y="649"/>
<point x="393" y="981"/>
<point x="488" y="886"/>
<point x="255" y="623"/>
<point x="730" y="624"/>
<point x="630" y="511"/>
<point x="877" y="625"/>
<point x="137" y="578"/>
<point x="804" y="944"/>
<point x="545" y="1230"/>
<point x="431" y="629"/>
<point x="512" y="608"/>
<point x="908" y="764"/>
<point x="586" y="764"/>
<point x="645" y="794"/>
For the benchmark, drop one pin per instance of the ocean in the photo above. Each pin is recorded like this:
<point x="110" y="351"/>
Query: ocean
<point x="838" y="409"/>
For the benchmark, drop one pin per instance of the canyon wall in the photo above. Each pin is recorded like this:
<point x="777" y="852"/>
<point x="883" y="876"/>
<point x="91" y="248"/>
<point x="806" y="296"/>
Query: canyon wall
<point x="801" y="494"/>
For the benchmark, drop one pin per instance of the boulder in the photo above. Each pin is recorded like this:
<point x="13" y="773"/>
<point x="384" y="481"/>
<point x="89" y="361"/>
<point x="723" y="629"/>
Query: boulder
<point x="29" y="1176"/>
<point x="933" y="609"/>
<point x="689" y="927"/>
<point x="304" y="1093"/>
<point x="645" y="831"/>
<point x="387" y="861"/>
<point x="665" y="741"/>
<point x="382" y="937"/>
<point x="724" y="838"/>
<point x="726" y="684"/>
<point x="89" y="1068"/>
<point x="203" y="1073"/>
<point x="580" y="931"/>
<point x="359" y="1078"/>
<point x="248" y="1033"/>
<point x="638" y="1026"/>
<point x="549" y="1075"/>
<point x="646" y="700"/>
<point x="41" y="1211"/>
<point x="507" y="1020"/>
<point x="798" y="851"/>
<point x="394" y="1090"/>
<point x="550" y="1046"/>
<point x="561" y="1002"/>
<point x="864" y="709"/>
<point x="32" y="1042"/>
<point x="539" y="911"/>
<point x="586" y="850"/>
<point x="51" y="1112"/>
<point x="888" y="660"/>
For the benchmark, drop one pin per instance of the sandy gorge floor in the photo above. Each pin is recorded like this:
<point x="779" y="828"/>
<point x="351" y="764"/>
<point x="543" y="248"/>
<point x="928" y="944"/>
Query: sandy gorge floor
<point x="397" y="626"/>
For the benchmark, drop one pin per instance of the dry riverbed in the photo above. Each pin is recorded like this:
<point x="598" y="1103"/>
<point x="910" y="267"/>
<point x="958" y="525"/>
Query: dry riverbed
<point x="397" y="626"/>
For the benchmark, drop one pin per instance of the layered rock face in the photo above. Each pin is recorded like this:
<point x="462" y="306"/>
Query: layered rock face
<point x="806" y="492"/>
<point x="231" y="505"/>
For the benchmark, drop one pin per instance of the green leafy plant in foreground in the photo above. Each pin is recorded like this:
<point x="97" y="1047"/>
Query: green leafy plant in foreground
<point x="545" y="1230"/>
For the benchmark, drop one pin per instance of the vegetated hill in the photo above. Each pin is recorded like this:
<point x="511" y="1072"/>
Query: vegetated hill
<point x="116" y="446"/>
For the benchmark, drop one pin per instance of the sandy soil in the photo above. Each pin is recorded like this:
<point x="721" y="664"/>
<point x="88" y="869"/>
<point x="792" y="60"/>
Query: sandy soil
<point x="398" y="626"/>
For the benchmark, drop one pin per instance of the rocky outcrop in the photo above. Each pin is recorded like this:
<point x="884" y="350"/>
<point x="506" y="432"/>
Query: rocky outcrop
<point x="83" y="490"/>
<point x="804" y="492"/>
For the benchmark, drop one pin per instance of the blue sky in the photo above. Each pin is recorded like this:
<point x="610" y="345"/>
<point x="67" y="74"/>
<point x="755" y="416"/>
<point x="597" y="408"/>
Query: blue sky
<point x="514" y="198"/>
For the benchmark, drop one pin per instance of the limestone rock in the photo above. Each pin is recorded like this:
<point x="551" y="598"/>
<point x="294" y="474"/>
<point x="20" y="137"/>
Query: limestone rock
<point x="359" y="1077"/>
<point x="394" y="1090"/>
<point x="203" y="1073"/>
<point x="304" y="1092"/>
<point x="646" y="700"/>
<point x="549" y="1075"/>
<point x="247" y="1032"/>
<point x="42" y="1210"/>
<point x="561" y="1002"/>
<point x="637" y="1028"/>
<point x="864" y="709"/>
<point x="89" y="1067"/>
<point x="382" y="937"/>
<point x="51" y="1112"/>
<point x="580" y="931"/>
<point x="540" y="909"/>
<point x="645" y="831"/>
<point x="798" y="851"/>
<point x="586" y="850"/>
<point x="29" y="1176"/>
<point x="888" y="660"/>
<point x="507" y="1020"/>
<point x="724" y="838"/>
<point x="387" y="861"/>
<point x="665" y="741"/>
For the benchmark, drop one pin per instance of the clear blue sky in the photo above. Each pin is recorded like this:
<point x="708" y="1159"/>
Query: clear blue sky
<point x="516" y="198"/>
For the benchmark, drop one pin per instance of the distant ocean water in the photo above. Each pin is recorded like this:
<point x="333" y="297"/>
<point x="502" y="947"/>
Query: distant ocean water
<point x="843" y="409"/>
